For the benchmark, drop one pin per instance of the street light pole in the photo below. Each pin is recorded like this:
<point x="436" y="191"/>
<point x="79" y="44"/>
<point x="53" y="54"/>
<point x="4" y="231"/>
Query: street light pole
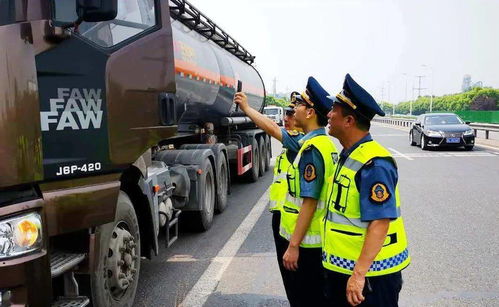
<point x="431" y="88"/>
<point x="405" y="75"/>
<point x="389" y="100"/>
<point x="412" y="99"/>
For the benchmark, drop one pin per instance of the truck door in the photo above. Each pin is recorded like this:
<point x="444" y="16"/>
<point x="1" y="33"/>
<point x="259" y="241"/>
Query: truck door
<point x="99" y="88"/>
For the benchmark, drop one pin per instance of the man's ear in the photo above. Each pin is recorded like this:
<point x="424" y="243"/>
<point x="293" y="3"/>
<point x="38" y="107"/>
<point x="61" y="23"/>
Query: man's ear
<point x="310" y="112"/>
<point x="350" y="120"/>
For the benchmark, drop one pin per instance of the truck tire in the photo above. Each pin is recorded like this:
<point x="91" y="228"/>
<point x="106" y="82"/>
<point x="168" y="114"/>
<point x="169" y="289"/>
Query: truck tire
<point x="116" y="275"/>
<point x="261" y="160"/>
<point x="203" y="219"/>
<point x="223" y="184"/>
<point x="252" y="174"/>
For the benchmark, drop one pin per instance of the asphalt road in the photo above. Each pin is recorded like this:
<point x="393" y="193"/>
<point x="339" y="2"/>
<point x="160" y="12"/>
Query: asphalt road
<point x="450" y="204"/>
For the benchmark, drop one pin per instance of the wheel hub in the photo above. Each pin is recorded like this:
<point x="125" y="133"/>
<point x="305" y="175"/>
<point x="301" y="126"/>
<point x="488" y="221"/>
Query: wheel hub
<point x="121" y="262"/>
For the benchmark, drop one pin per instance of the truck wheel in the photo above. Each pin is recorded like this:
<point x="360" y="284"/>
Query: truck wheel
<point x="204" y="218"/>
<point x="252" y="174"/>
<point x="268" y="152"/>
<point x="261" y="160"/>
<point x="223" y="184"/>
<point x="114" y="281"/>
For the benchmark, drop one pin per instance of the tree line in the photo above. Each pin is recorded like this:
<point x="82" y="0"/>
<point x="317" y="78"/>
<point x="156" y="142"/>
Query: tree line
<point x="271" y="100"/>
<point x="476" y="99"/>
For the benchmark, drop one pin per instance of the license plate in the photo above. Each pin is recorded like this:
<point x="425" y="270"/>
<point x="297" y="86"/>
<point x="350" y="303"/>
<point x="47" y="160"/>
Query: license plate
<point x="453" y="140"/>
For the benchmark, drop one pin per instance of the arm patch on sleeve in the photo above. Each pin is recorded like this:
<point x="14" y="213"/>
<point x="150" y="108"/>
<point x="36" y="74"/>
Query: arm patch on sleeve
<point x="379" y="193"/>
<point x="310" y="173"/>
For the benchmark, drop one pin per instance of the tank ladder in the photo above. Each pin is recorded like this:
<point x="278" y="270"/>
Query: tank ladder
<point x="191" y="17"/>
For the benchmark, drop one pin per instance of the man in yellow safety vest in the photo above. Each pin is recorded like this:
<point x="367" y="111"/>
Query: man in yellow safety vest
<point x="304" y="206"/>
<point x="279" y="188"/>
<point x="364" y="242"/>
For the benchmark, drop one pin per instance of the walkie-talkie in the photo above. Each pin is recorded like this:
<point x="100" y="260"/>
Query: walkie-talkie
<point x="239" y="89"/>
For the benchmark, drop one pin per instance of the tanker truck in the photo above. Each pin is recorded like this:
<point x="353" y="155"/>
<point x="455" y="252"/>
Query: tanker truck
<point x="116" y="123"/>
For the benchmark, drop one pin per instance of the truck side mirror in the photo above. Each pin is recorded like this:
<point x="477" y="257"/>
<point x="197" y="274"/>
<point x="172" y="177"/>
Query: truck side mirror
<point x="96" y="10"/>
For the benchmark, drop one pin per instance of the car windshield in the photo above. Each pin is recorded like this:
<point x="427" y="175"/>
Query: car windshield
<point x="443" y="120"/>
<point x="270" y="111"/>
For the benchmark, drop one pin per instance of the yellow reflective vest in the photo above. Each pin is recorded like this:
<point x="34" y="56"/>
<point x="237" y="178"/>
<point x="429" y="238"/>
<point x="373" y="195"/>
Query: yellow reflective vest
<point x="292" y="205"/>
<point x="279" y="186"/>
<point x="343" y="230"/>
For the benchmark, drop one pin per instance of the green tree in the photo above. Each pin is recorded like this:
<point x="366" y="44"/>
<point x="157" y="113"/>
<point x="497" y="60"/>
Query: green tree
<point x="450" y="103"/>
<point x="271" y="100"/>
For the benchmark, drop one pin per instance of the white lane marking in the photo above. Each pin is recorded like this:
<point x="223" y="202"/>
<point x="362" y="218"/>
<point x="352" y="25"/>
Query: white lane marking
<point x="488" y="147"/>
<point x="208" y="282"/>
<point x="400" y="154"/>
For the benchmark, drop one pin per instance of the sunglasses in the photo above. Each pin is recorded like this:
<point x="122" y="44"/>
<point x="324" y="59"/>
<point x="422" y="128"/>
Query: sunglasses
<point x="302" y="103"/>
<point x="290" y="112"/>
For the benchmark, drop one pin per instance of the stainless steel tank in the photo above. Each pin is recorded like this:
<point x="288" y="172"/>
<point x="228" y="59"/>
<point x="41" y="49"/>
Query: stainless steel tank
<point x="206" y="78"/>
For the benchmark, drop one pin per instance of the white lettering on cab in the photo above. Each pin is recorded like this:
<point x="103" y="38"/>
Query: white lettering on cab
<point x="73" y="109"/>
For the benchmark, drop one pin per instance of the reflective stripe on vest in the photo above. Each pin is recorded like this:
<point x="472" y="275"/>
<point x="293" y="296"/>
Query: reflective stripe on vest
<point x="308" y="239"/>
<point x="279" y="187"/>
<point x="321" y="204"/>
<point x="292" y="205"/>
<point x="376" y="266"/>
<point x="343" y="230"/>
<point x="341" y="219"/>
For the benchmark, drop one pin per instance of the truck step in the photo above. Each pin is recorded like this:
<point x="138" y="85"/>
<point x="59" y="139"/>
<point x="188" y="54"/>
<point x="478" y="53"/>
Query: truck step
<point x="80" y="301"/>
<point x="61" y="262"/>
<point x="172" y="228"/>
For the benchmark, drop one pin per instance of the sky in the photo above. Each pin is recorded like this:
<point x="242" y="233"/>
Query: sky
<point x="383" y="44"/>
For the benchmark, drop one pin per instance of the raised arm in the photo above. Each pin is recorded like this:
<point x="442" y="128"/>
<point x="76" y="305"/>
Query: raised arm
<point x="262" y="121"/>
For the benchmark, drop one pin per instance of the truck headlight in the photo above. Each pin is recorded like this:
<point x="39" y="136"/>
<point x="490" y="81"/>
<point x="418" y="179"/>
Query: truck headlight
<point x="469" y="132"/>
<point x="432" y="133"/>
<point x="20" y="235"/>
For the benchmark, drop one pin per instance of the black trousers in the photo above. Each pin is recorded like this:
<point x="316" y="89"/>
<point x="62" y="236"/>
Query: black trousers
<point x="304" y="287"/>
<point x="382" y="290"/>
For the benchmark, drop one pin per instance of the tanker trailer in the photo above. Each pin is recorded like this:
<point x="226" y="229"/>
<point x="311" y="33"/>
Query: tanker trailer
<point x="116" y="122"/>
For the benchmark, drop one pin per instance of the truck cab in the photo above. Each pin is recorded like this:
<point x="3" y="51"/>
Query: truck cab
<point x="116" y="121"/>
<point x="275" y="113"/>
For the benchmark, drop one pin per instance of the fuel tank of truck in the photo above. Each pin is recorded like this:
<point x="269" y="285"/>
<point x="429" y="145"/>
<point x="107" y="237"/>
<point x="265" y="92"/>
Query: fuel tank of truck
<point x="206" y="77"/>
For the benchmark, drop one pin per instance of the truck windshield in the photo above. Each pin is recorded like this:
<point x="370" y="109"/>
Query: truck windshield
<point x="134" y="17"/>
<point x="271" y="111"/>
<point x="7" y="12"/>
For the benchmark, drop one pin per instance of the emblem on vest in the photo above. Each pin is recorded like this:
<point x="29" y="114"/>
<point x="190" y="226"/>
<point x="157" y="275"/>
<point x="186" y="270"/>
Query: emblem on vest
<point x="309" y="172"/>
<point x="379" y="193"/>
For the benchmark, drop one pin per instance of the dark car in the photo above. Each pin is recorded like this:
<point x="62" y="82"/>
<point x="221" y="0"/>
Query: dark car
<point x="441" y="130"/>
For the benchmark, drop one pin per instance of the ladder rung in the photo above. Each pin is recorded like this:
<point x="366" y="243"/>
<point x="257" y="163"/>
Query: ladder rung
<point x="79" y="301"/>
<point x="61" y="262"/>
